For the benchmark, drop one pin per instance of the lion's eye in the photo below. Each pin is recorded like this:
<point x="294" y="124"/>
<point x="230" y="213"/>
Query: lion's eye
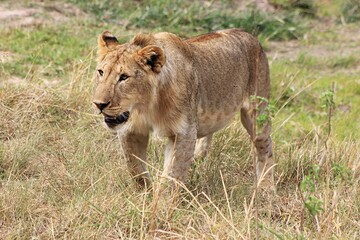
<point x="101" y="72"/>
<point x="123" y="77"/>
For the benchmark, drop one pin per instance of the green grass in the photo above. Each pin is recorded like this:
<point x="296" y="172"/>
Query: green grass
<point x="306" y="89"/>
<point x="184" y="17"/>
<point x="61" y="174"/>
<point x="51" y="51"/>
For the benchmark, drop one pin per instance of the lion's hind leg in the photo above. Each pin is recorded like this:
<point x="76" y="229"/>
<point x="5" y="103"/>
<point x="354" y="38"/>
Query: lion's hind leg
<point x="263" y="145"/>
<point x="202" y="146"/>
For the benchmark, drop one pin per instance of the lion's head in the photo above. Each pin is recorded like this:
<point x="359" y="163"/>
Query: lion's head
<point x="126" y="77"/>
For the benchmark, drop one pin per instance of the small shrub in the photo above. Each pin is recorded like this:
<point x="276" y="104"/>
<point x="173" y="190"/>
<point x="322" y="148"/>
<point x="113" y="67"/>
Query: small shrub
<point x="351" y="11"/>
<point x="303" y="7"/>
<point x="267" y="114"/>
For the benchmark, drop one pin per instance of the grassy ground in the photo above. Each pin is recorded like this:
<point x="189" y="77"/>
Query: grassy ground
<point x="60" y="171"/>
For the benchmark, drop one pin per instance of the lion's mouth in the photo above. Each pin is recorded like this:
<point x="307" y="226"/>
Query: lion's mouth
<point x="113" y="121"/>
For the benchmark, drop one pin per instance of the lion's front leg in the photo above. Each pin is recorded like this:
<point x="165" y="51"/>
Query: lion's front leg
<point x="179" y="155"/>
<point x="134" y="150"/>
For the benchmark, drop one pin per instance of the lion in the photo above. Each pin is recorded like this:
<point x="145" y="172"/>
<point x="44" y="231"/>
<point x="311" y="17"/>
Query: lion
<point x="184" y="90"/>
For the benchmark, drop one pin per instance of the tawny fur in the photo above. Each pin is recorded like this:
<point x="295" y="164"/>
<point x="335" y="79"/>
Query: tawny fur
<point x="183" y="90"/>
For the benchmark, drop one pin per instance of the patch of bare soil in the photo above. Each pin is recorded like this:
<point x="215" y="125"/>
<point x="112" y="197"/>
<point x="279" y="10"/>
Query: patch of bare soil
<point x="243" y="5"/>
<point x="346" y="42"/>
<point x="40" y="13"/>
<point x="261" y="5"/>
<point x="6" y="56"/>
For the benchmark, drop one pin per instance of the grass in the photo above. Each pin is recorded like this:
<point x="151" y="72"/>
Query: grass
<point x="184" y="17"/>
<point x="60" y="171"/>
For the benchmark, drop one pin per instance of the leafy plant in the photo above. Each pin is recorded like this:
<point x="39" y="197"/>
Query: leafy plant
<point x="328" y="103"/>
<point x="266" y="114"/>
<point x="341" y="173"/>
<point x="308" y="188"/>
<point x="328" y="100"/>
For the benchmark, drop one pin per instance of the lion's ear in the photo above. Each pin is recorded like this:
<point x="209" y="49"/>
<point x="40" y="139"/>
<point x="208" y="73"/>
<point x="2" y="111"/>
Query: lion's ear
<point x="152" y="56"/>
<point x="106" y="42"/>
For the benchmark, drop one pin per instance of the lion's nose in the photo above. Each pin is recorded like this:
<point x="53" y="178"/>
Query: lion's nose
<point x="101" y="105"/>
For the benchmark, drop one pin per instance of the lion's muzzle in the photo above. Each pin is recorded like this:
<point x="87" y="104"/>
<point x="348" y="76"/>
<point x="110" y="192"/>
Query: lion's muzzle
<point x="113" y="121"/>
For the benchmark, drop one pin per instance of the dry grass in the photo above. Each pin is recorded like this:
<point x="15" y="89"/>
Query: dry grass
<point x="62" y="178"/>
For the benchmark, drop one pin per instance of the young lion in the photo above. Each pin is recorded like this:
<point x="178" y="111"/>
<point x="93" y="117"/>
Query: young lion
<point x="183" y="90"/>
